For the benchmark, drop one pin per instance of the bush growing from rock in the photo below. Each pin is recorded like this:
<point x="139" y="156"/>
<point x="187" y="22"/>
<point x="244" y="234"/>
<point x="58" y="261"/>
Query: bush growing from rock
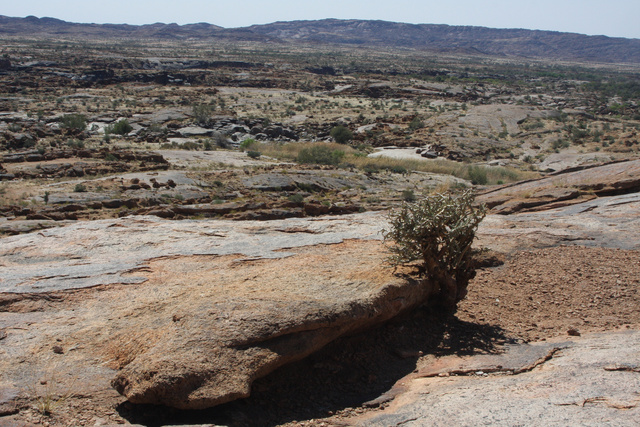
<point x="438" y="231"/>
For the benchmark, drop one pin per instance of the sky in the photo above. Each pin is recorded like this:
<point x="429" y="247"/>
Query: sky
<point x="614" y="18"/>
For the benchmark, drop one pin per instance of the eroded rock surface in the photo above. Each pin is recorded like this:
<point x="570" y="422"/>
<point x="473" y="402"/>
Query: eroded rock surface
<point x="568" y="187"/>
<point x="188" y="314"/>
<point x="591" y="380"/>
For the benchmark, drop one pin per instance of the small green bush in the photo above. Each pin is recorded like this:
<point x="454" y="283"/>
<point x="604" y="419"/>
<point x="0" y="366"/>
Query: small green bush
<point x="75" y="122"/>
<point x="121" y="127"/>
<point x="254" y="154"/>
<point x="247" y="144"/>
<point x="75" y="143"/>
<point x="438" y="231"/>
<point x="202" y="114"/>
<point x="416" y="124"/>
<point x="341" y="134"/>
<point x="408" y="196"/>
<point x="477" y="175"/>
<point x="320" y="155"/>
<point x="560" y="143"/>
<point x="80" y="188"/>
<point x="296" y="198"/>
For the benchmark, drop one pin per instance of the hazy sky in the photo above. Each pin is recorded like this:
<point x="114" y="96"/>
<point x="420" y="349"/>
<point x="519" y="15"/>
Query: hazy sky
<point x="615" y="18"/>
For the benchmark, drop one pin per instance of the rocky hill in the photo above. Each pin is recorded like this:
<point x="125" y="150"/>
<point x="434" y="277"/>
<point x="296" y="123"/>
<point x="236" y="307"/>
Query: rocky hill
<point x="439" y="38"/>
<point x="464" y="39"/>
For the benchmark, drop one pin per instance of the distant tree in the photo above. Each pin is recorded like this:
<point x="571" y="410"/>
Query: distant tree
<point x="341" y="134"/>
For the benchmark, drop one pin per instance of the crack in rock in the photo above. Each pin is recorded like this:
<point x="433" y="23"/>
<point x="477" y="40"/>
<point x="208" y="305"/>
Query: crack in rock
<point x="601" y="399"/>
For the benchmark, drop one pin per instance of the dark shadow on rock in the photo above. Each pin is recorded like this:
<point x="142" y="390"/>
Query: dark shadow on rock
<point x="345" y="374"/>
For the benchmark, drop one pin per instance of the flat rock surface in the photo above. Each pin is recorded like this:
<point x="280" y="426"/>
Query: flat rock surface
<point x="591" y="380"/>
<point x="611" y="222"/>
<point x="564" y="188"/>
<point x="188" y="314"/>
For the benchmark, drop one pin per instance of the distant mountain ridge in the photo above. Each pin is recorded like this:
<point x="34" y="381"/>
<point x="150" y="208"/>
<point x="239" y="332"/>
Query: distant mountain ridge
<point x="441" y="38"/>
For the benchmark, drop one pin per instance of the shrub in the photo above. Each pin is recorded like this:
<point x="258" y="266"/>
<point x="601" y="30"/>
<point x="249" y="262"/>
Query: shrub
<point x="80" y="188"/>
<point x="247" y="144"/>
<point x="321" y="155"/>
<point x="254" y="154"/>
<point x="121" y="127"/>
<point x="74" y="122"/>
<point x="220" y="140"/>
<point x="296" y="198"/>
<point x="75" y="143"/>
<point x="438" y="231"/>
<point x="341" y="134"/>
<point x="560" y="143"/>
<point x="478" y="175"/>
<point x="202" y="114"/>
<point x="416" y="123"/>
<point x="408" y="196"/>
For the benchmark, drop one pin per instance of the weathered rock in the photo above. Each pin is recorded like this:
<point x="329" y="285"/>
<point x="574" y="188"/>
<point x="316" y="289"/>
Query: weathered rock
<point x="270" y="182"/>
<point x="190" y="313"/>
<point x="569" y="187"/>
<point x="592" y="381"/>
<point x="611" y="222"/>
<point x="238" y="310"/>
<point x="191" y="131"/>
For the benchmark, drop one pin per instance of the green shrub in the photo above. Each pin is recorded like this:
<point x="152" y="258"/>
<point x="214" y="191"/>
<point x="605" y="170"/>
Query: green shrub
<point x="75" y="122"/>
<point x="416" y="123"/>
<point x="560" y="143"/>
<point x="121" y="127"/>
<point x="75" y="143"/>
<point x="296" y="198"/>
<point x="398" y="169"/>
<point x="320" y="155"/>
<point x="254" y="154"/>
<point x="80" y="188"/>
<point x="437" y="231"/>
<point x="202" y="114"/>
<point x="341" y="134"/>
<point x="247" y="144"/>
<point x="408" y="196"/>
<point x="477" y="175"/>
